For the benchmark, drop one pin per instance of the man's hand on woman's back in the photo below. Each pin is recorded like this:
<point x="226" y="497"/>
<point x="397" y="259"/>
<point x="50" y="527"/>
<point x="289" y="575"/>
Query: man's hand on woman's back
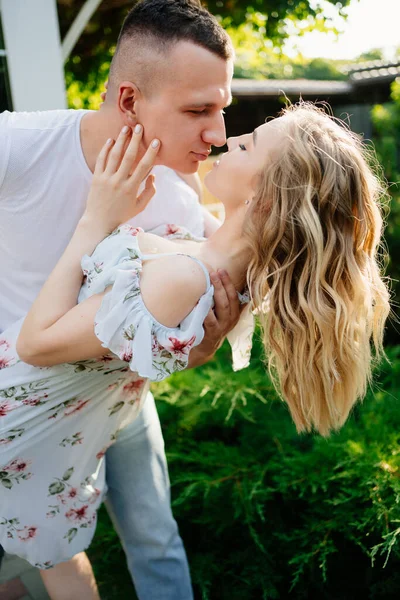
<point x="219" y="321"/>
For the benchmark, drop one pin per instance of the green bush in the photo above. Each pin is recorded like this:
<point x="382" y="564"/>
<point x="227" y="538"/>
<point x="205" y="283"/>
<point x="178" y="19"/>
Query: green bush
<point x="265" y="513"/>
<point x="386" y="121"/>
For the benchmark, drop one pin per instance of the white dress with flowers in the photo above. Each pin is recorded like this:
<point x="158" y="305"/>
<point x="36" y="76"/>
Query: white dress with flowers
<point x="56" y="423"/>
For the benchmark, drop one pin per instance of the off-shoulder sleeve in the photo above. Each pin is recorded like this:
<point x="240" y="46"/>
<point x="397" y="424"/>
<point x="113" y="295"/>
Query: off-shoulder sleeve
<point x="123" y="323"/>
<point x="125" y="326"/>
<point x="241" y="336"/>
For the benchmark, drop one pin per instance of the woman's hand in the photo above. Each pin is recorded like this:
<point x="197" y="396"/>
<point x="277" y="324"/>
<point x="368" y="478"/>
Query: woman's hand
<point x="113" y="195"/>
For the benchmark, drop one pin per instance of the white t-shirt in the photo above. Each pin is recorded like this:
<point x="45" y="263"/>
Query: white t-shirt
<point x="44" y="182"/>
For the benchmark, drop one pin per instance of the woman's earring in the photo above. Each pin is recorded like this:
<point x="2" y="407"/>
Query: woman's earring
<point x="247" y="201"/>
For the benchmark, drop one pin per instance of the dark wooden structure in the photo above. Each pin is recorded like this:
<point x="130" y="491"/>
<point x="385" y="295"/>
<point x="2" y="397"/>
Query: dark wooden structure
<point x="351" y="100"/>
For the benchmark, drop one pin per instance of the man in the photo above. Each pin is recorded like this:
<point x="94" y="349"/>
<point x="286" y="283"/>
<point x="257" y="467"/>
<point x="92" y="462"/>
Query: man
<point x="171" y="72"/>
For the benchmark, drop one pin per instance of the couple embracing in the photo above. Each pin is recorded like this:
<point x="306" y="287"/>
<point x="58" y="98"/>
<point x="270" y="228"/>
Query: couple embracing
<point x="93" y="307"/>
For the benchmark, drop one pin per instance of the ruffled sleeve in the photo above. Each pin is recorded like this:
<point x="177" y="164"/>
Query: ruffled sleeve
<point x="125" y="326"/>
<point x="123" y="323"/>
<point x="240" y="337"/>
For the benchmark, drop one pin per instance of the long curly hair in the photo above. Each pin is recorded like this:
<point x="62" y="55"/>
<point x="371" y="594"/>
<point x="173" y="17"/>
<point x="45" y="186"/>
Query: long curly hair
<point x="314" y="230"/>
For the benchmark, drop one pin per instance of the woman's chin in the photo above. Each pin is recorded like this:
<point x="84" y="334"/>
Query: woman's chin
<point x="208" y="182"/>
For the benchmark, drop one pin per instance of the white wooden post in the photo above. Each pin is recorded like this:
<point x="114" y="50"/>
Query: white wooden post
<point x="77" y="27"/>
<point x="34" y="58"/>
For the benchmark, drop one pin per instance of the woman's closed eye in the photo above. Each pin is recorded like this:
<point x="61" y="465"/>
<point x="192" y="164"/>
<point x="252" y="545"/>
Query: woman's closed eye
<point x="242" y="146"/>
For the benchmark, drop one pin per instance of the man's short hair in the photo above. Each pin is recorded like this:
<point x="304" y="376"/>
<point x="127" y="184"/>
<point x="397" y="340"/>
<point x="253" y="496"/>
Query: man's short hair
<point x="170" y="21"/>
<point x="152" y="28"/>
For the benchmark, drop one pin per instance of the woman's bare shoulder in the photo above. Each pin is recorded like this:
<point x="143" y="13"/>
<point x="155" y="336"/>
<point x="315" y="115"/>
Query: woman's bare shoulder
<point x="171" y="287"/>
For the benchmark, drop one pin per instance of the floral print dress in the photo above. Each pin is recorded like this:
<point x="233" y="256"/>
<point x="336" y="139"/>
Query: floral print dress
<point x="57" y="422"/>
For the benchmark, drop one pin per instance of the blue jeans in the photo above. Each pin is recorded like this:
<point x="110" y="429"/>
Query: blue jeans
<point x="138" y="501"/>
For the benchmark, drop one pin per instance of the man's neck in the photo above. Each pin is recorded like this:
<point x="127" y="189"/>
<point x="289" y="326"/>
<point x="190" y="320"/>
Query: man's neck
<point x="96" y="127"/>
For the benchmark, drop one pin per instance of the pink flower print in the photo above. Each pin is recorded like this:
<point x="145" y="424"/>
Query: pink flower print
<point x="102" y="452"/>
<point x="5" y="344"/>
<point x="181" y="348"/>
<point x="72" y="493"/>
<point x="77" y="514"/>
<point x="133" y="386"/>
<point x="156" y="347"/>
<point x="106" y="358"/>
<point x="5" y="408"/>
<point x="27" y="533"/>
<point x="60" y="498"/>
<point x="34" y="400"/>
<point x="4" y="362"/>
<point x="18" y="465"/>
<point x="132" y="230"/>
<point x="127" y="355"/>
<point x="31" y="401"/>
<point x="171" y="229"/>
<point x="75" y="407"/>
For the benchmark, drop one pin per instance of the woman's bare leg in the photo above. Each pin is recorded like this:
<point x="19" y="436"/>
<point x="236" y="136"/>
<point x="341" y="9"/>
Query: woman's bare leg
<point x="71" y="580"/>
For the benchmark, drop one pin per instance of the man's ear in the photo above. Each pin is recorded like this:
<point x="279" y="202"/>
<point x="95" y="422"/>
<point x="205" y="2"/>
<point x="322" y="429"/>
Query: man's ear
<point x="128" y="95"/>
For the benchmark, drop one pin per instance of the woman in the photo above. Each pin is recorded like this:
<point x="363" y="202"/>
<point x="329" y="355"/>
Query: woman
<point x="301" y="234"/>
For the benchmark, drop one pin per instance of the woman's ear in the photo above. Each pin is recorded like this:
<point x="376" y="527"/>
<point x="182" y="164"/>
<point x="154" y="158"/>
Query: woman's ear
<point x="128" y="95"/>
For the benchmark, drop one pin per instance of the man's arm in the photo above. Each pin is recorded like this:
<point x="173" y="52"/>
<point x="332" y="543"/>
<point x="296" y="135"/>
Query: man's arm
<point x="219" y="321"/>
<point x="5" y="145"/>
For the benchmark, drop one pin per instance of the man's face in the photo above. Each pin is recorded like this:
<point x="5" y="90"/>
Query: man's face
<point x="186" y="110"/>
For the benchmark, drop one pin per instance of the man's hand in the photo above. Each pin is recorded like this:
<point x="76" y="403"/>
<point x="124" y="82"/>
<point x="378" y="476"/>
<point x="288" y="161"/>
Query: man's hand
<point x="219" y="321"/>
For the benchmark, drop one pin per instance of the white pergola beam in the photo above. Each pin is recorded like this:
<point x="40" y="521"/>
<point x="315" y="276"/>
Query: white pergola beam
<point x="35" y="66"/>
<point x="77" y="27"/>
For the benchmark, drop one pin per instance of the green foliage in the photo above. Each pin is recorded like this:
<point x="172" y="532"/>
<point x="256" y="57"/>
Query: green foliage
<point x="373" y="54"/>
<point x="278" y="16"/>
<point x="265" y="513"/>
<point x="289" y="508"/>
<point x="258" y="58"/>
<point x="386" y="121"/>
<point x="259" y="29"/>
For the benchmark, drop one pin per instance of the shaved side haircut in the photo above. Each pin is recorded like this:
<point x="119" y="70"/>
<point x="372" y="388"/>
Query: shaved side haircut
<point x="149" y="32"/>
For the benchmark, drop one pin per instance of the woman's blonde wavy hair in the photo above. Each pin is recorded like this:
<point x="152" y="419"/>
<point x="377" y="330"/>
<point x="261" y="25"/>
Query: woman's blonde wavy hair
<point x="314" y="229"/>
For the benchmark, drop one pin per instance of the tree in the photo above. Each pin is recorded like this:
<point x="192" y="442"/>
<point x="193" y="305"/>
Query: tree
<point x="271" y="20"/>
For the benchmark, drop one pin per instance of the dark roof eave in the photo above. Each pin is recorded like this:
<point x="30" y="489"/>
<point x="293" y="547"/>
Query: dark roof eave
<point x="279" y="87"/>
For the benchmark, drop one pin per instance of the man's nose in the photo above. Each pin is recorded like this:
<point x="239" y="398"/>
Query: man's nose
<point x="215" y="135"/>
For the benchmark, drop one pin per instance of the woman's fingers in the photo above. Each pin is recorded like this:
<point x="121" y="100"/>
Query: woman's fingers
<point x="116" y="154"/>
<point x="144" y="198"/>
<point x="146" y="164"/>
<point x="101" y="160"/>
<point x="129" y="159"/>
